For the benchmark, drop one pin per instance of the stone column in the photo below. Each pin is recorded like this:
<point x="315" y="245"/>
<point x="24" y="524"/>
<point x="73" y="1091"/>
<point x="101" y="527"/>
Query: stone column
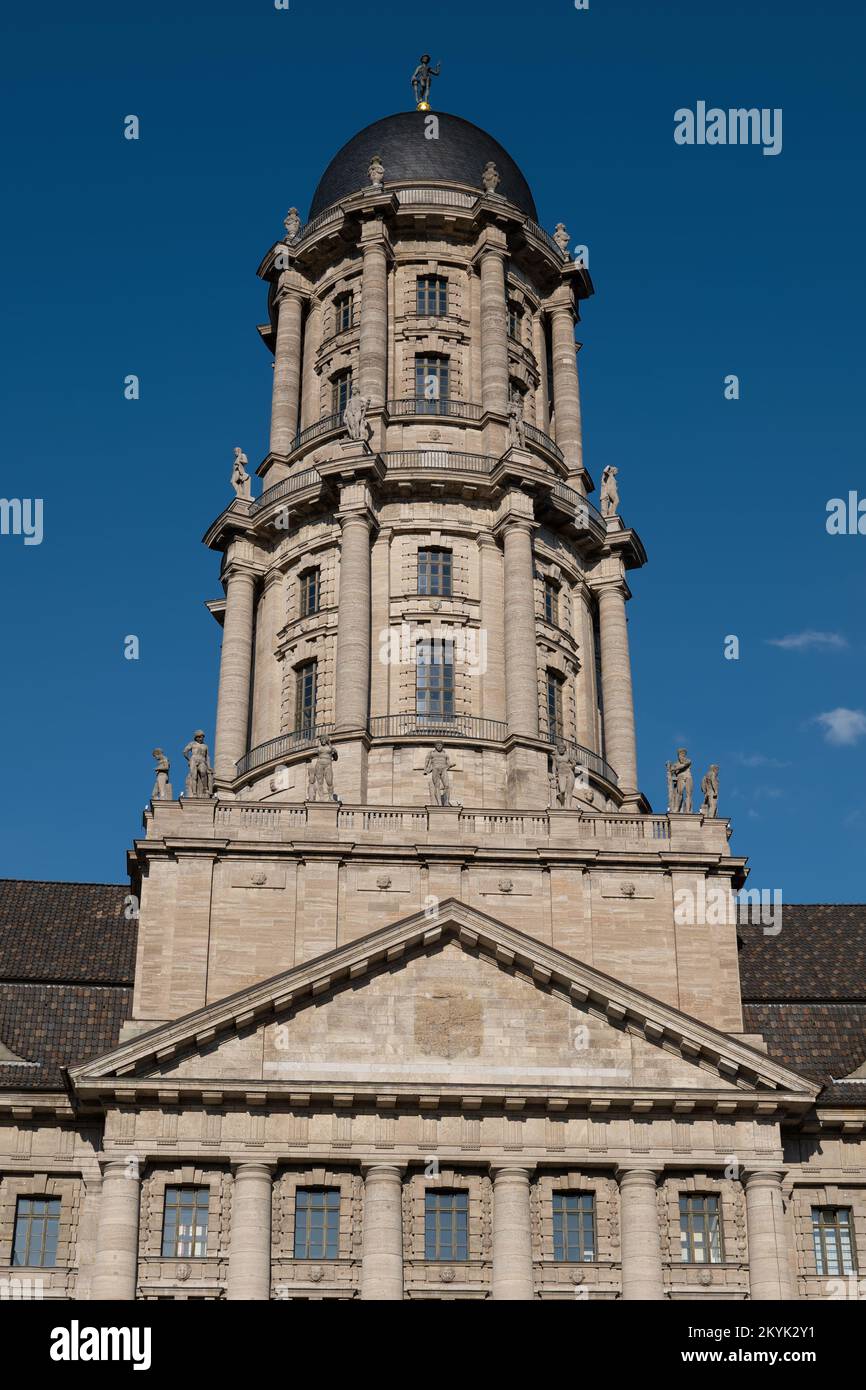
<point x="566" y="391"/>
<point x="373" y="339"/>
<point x="492" y="703"/>
<point x="233" y="699"/>
<point x="249" y="1271"/>
<point x="353" y="624"/>
<point x="512" y="1235"/>
<point x="267" y="685"/>
<point x="616" y="693"/>
<point x="641" y="1244"/>
<point x="310" y="397"/>
<point x="494" y="331"/>
<point x="539" y="348"/>
<point x="521" y="663"/>
<point x="382" y="1253"/>
<point x="287" y="372"/>
<point x="769" y="1267"/>
<point x="115" y="1272"/>
<point x="585" y="680"/>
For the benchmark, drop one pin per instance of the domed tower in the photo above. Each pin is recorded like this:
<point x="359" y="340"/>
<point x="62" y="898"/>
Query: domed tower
<point x="428" y="565"/>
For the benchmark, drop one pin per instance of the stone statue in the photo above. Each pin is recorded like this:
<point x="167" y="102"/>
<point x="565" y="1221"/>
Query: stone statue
<point x="376" y="173"/>
<point x="421" y="82"/>
<point x="609" y="491"/>
<point x="355" y="416"/>
<point x="437" y="768"/>
<point x="161" y="787"/>
<point x="516" y="427"/>
<point x="565" y="769"/>
<point x="710" y="789"/>
<point x="681" y="783"/>
<point x="561" y="237"/>
<point x="292" y="224"/>
<point x="320" y="778"/>
<point x="199" y="779"/>
<point x="490" y="178"/>
<point x="240" y="476"/>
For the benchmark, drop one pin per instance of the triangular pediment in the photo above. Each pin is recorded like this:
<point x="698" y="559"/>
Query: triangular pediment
<point x="459" y="1002"/>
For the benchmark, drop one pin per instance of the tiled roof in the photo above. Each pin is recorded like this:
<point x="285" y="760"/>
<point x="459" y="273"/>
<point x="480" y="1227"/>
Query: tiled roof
<point x="67" y="961"/>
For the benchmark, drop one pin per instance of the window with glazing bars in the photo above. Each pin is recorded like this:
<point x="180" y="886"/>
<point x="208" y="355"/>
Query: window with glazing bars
<point x="309" y="581"/>
<point x="37" y="1226"/>
<point x="574" y="1226"/>
<point x="833" y="1238"/>
<point x="446" y="1226"/>
<point x="700" y="1230"/>
<point x="551" y="601"/>
<point x="317" y="1223"/>
<point x="432" y="374"/>
<point x="434" y="572"/>
<point x="434" y="678"/>
<point x="305" y="697"/>
<point x="554" y="705"/>
<point x="184" y="1223"/>
<point x="343" y="307"/>
<point x="341" y="390"/>
<point x="432" y="295"/>
<point x="515" y="315"/>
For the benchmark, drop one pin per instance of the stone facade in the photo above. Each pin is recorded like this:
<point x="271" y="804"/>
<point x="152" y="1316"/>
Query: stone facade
<point x="385" y="1048"/>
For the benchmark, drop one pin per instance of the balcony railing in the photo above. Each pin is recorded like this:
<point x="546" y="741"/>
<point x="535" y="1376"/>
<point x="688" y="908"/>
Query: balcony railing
<point x="544" y="236"/>
<point x="544" y="441"/>
<point x="452" y="460"/>
<point x="308" y="478"/>
<point x="437" y="726"/>
<point x="420" y="405"/>
<point x="282" y="747"/>
<point x="326" y="425"/>
<point x="580" y="503"/>
<point x="587" y="758"/>
<point x="445" y="197"/>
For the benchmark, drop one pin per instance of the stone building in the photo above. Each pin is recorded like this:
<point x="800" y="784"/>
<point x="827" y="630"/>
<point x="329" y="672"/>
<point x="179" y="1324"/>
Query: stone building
<point x="406" y="1004"/>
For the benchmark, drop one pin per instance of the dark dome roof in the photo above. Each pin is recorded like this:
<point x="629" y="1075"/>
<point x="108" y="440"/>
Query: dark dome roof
<point x="458" y="156"/>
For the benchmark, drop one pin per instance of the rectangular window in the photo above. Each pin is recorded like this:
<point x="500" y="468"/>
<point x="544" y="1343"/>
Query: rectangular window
<point x="309" y="582"/>
<point x="434" y="572"/>
<point x="434" y="678"/>
<point x="37" y="1226"/>
<point x="833" y="1238"/>
<point x="317" y="1223"/>
<point x="551" y="602"/>
<point x="432" y="295"/>
<point x="341" y="390"/>
<point x="184" y="1223"/>
<point x="515" y="314"/>
<point x="432" y="383"/>
<point x="446" y="1226"/>
<point x="574" y="1226"/>
<point x="343" y="306"/>
<point x="305" y="698"/>
<point x="700" y="1230"/>
<point x="554" y="706"/>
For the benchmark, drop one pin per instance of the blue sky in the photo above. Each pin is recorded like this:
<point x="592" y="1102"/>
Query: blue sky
<point x="140" y="257"/>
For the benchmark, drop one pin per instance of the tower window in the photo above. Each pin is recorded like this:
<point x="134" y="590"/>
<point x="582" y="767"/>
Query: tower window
<point x="305" y="698"/>
<point x="833" y="1240"/>
<point x="554" y="705"/>
<point x="434" y="573"/>
<point x="341" y="390"/>
<point x="574" y="1226"/>
<point x="317" y="1223"/>
<point x="37" y="1227"/>
<point x="432" y="382"/>
<point x="551" y="601"/>
<point x="700" y="1230"/>
<point x="434" y="678"/>
<point x="431" y="295"/>
<point x="184" y="1223"/>
<point x="310" y="592"/>
<point x="343" y="307"/>
<point x="515" y="317"/>
<point x="446" y="1226"/>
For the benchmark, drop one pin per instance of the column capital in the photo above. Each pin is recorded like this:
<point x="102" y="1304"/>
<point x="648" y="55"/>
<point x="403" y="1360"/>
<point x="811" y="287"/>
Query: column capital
<point x="240" y="569"/>
<point x="611" y="584"/>
<point x="382" y="1170"/>
<point x="499" y="1168"/>
<point x="122" y="1168"/>
<point x="639" y="1174"/>
<point x="374" y="235"/>
<point x="249" y="1167"/>
<point x="762" y="1177"/>
<point x="289" y="286"/>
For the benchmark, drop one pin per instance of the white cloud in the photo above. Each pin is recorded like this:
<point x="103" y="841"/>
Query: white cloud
<point x="842" y="726"/>
<point x="758" y="760"/>
<point x="809" y="639"/>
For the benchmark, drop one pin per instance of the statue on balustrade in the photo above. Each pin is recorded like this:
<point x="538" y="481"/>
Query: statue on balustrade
<point x="710" y="789"/>
<point x="161" y="787"/>
<point x="320" y="781"/>
<point x="355" y="417"/>
<point x="292" y="224"/>
<point x="421" y="81"/>
<point x="564" y="764"/>
<point x="199" y="778"/>
<point x="240" y="476"/>
<point x="490" y="178"/>
<point x="437" y="767"/>
<point x="516" y="426"/>
<point x="376" y="173"/>
<point x="680" y="784"/>
<point x="609" y="491"/>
